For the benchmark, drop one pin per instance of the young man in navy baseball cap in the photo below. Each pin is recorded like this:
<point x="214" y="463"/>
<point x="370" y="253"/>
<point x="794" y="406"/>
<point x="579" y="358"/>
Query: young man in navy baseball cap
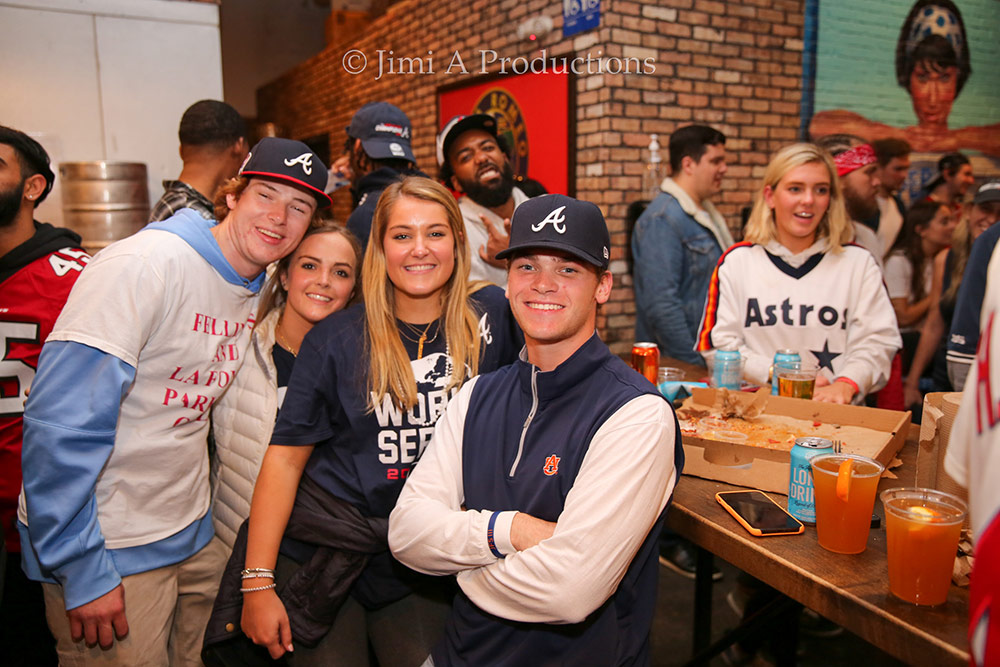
<point x="379" y="150"/>
<point x="545" y="484"/>
<point x="289" y="161"/>
<point x="114" y="518"/>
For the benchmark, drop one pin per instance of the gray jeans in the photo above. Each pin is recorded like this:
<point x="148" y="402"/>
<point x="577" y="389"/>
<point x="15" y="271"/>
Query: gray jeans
<point x="401" y="633"/>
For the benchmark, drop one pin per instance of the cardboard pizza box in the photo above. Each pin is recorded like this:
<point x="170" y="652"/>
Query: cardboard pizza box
<point x="940" y="410"/>
<point x="768" y="469"/>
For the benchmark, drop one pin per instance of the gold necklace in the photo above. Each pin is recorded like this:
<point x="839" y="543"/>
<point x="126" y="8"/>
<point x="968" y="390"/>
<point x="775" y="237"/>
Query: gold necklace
<point x="284" y="343"/>
<point x="422" y="336"/>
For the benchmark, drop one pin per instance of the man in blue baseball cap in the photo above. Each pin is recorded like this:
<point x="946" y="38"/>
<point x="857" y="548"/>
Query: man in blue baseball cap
<point x="114" y="517"/>
<point x="378" y="146"/>
<point x="545" y="484"/>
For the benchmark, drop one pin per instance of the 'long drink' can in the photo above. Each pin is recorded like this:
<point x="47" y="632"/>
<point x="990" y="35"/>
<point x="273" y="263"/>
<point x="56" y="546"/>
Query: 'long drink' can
<point x="782" y="357"/>
<point x="646" y="359"/>
<point x="801" y="499"/>
<point x="726" y="370"/>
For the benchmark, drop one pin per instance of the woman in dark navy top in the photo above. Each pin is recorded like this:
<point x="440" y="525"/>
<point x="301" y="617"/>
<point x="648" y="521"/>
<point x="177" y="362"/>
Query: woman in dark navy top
<point x="368" y="386"/>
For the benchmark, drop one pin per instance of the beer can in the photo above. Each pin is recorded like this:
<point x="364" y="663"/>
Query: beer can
<point x="782" y="357"/>
<point x="801" y="498"/>
<point x="727" y="370"/>
<point x="646" y="359"/>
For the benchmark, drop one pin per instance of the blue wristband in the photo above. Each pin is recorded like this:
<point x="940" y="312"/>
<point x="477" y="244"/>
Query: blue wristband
<point x="489" y="536"/>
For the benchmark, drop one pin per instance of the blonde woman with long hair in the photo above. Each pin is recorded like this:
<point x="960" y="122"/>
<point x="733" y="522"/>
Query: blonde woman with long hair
<point x="796" y="282"/>
<point x="368" y="386"/>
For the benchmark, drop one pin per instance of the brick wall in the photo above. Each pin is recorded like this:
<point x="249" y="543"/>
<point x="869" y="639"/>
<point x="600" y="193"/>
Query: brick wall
<point x="735" y="65"/>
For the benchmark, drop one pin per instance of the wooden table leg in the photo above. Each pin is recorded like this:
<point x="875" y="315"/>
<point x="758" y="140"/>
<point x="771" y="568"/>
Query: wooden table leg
<point x="703" y="599"/>
<point x="765" y="616"/>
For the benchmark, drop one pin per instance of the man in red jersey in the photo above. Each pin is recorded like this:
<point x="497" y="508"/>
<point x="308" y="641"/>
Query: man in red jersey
<point x="38" y="265"/>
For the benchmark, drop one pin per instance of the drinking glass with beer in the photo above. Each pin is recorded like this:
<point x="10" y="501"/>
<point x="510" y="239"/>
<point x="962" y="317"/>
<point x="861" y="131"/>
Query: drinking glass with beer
<point x="796" y="379"/>
<point x="845" y="487"/>
<point x="922" y="528"/>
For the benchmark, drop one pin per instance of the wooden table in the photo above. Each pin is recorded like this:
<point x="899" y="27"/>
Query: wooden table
<point x="852" y="591"/>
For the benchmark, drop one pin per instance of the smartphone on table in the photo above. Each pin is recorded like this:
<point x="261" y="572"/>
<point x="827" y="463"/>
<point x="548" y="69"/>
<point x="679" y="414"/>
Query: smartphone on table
<point x="761" y="516"/>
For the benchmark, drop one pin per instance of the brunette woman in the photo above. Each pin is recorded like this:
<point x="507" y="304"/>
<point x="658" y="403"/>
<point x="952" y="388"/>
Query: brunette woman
<point x="949" y="267"/>
<point x="909" y="267"/>
<point x="317" y="279"/>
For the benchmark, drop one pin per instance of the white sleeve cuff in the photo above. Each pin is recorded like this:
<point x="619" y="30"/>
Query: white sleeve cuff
<point x="501" y="533"/>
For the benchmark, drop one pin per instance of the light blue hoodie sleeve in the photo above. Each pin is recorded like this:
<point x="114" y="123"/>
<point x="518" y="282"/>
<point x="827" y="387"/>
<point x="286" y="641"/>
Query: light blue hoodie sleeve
<point x="69" y="433"/>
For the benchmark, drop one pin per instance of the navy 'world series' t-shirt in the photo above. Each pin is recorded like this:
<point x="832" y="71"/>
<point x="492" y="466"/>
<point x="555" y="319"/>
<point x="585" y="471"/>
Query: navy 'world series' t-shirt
<point x="364" y="456"/>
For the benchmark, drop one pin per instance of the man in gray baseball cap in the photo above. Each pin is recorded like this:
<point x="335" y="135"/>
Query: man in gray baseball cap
<point x="963" y="338"/>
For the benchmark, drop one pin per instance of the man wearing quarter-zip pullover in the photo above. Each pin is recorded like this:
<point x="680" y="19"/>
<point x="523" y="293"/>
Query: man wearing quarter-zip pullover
<point x="114" y="516"/>
<point x="544" y="486"/>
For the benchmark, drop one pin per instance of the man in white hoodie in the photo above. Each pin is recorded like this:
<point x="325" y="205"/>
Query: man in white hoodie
<point x="677" y="242"/>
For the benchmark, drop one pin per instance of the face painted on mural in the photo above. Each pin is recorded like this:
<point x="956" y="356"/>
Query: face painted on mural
<point x="933" y="91"/>
<point x="932" y="44"/>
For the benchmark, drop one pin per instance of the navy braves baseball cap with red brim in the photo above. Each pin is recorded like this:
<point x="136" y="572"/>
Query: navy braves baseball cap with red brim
<point x="561" y="223"/>
<point x="291" y="161"/>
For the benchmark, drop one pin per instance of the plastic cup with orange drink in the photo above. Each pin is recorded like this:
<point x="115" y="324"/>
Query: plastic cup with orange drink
<point x="845" y="487"/>
<point x="922" y="529"/>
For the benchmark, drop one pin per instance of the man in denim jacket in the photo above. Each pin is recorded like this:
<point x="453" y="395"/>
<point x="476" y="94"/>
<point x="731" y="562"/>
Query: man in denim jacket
<point x="677" y="241"/>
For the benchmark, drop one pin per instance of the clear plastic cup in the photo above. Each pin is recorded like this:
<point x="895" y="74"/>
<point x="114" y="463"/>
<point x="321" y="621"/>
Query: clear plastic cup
<point x="845" y="498"/>
<point x="669" y="374"/>
<point x="922" y="528"/>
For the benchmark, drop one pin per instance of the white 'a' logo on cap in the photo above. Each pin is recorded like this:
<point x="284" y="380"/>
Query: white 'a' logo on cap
<point x="555" y="218"/>
<point x="306" y="160"/>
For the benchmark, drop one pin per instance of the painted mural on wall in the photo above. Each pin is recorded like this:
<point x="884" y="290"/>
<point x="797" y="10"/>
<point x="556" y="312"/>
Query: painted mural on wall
<point x="924" y="71"/>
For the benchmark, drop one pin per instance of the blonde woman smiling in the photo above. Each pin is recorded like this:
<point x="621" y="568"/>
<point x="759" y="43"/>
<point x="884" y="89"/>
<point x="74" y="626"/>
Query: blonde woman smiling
<point x="793" y="283"/>
<point x="368" y="386"/>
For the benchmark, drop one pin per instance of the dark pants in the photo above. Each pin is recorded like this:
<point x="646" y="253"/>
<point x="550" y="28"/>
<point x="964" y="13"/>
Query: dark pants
<point x="401" y="633"/>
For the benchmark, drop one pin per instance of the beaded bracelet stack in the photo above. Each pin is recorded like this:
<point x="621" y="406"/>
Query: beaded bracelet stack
<point x="257" y="573"/>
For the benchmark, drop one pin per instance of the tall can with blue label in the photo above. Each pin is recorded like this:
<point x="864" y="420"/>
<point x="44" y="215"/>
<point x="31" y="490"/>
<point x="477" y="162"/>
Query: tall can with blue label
<point x="782" y="357"/>
<point x="801" y="499"/>
<point x="727" y="369"/>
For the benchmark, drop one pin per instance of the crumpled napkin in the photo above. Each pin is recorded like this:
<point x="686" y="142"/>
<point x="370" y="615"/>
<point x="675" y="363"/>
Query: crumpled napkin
<point x="963" y="563"/>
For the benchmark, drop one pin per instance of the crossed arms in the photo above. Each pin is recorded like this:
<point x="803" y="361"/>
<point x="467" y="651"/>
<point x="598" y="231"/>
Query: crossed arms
<point x="623" y="485"/>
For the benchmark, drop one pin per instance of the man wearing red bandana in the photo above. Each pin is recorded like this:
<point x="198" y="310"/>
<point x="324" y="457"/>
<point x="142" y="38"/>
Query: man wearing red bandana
<point x="857" y="167"/>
